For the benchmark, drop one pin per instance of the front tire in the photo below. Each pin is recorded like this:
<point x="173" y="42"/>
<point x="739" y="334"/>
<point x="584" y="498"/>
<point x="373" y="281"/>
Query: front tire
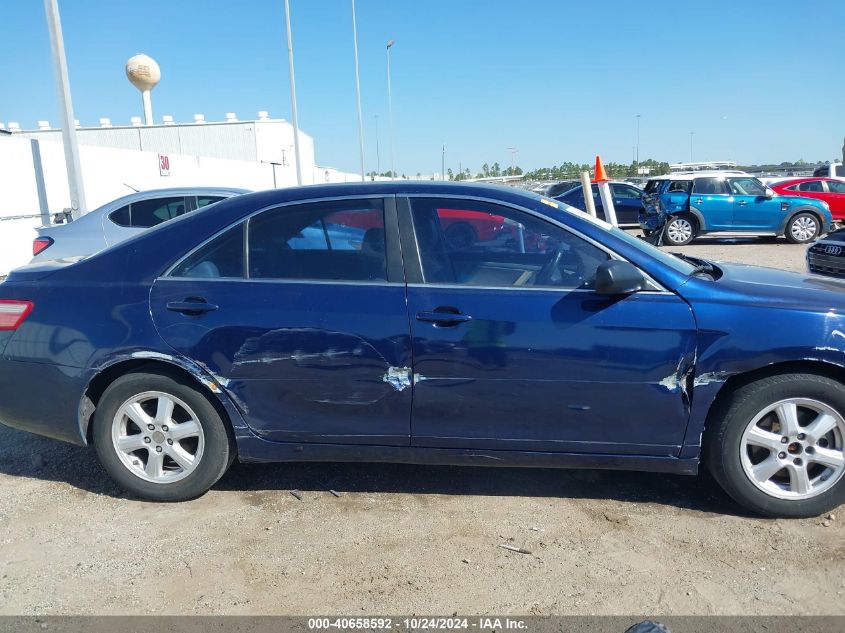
<point x="160" y="438"/>
<point x="803" y="228"/>
<point x="777" y="445"/>
<point x="680" y="230"/>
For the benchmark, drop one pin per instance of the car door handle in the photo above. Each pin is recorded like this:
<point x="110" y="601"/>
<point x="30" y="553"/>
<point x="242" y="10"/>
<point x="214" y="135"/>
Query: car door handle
<point x="443" y="318"/>
<point x="699" y="200"/>
<point x="191" y="307"/>
<point x="741" y="202"/>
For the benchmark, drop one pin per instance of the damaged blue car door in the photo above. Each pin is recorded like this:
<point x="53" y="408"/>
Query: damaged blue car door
<point x="299" y="313"/>
<point x="514" y="350"/>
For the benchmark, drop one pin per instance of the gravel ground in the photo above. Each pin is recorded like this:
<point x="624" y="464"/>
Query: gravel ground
<point x="406" y="539"/>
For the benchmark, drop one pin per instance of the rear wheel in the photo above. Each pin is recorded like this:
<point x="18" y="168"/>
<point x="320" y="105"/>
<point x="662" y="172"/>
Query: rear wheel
<point x="779" y="447"/>
<point x="160" y="438"/>
<point x="803" y="228"/>
<point x="680" y="230"/>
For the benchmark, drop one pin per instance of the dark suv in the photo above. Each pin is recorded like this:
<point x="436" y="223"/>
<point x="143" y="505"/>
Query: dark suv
<point x="680" y="207"/>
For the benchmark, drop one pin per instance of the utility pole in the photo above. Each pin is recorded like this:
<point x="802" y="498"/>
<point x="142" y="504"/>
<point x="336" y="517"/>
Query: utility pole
<point x="390" y="43"/>
<point x="358" y="92"/>
<point x="378" y="157"/>
<point x="71" y="146"/>
<point x="443" y="163"/>
<point x="294" y="115"/>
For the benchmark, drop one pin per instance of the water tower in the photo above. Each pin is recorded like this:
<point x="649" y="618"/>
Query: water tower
<point x="144" y="74"/>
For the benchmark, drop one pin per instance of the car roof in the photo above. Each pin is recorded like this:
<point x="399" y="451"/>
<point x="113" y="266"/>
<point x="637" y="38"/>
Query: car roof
<point x="691" y="175"/>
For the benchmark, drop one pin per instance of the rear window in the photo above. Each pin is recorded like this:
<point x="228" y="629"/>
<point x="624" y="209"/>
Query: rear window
<point x="651" y="186"/>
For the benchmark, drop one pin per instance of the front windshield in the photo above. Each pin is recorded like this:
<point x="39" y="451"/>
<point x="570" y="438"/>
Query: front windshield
<point x="664" y="258"/>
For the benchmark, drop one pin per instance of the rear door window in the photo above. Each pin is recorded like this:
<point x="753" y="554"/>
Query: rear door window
<point x="813" y="185"/>
<point x="679" y="186"/>
<point x="342" y="240"/>
<point x="204" y="201"/>
<point x="625" y="191"/>
<point x="148" y="213"/>
<point x="710" y="186"/>
<point x="836" y="186"/>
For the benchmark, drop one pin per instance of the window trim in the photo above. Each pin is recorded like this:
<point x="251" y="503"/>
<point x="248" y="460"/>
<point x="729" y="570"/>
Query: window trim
<point x="413" y="262"/>
<point x="391" y="250"/>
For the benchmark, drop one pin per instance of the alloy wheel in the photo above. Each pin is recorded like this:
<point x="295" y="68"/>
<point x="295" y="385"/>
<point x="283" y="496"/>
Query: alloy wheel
<point x="157" y="437"/>
<point x="679" y="230"/>
<point x="793" y="449"/>
<point x="803" y="228"/>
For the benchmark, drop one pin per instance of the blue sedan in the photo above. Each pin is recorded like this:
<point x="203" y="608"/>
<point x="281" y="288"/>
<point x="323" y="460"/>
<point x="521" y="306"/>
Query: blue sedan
<point x="338" y="323"/>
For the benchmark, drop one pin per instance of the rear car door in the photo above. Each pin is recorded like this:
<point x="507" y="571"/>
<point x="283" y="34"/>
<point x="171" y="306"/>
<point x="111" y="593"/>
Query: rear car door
<point x="836" y="198"/>
<point x="300" y="313"/>
<point x="711" y="199"/>
<point x="753" y="211"/>
<point x="514" y="351"/>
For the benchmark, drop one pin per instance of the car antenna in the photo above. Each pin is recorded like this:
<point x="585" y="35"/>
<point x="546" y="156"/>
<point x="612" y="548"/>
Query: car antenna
<point x="132" y="188"/>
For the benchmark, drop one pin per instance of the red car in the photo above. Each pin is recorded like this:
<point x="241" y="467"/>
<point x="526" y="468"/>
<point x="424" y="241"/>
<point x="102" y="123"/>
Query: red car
<point x="830" y="190"/>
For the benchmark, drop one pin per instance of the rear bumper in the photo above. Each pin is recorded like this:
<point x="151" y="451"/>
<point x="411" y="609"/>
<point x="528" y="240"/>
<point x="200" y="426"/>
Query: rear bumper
<point x="42" y="399"/>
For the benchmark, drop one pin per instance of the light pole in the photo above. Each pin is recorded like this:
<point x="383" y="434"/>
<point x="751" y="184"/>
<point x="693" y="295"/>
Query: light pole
<point x="443" y="163"/>
<point x="638" y="144"/>
<point x="390" y="43"/>
<point x="691" y="134"/>
<point x="378" y="158"/>
<point x="358" y="91"/>
<point x="294" y="115"/>
<point x="71" y="146"/>
<point x="513" y="152"/>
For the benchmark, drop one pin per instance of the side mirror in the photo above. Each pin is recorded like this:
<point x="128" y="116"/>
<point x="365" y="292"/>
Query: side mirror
<point x="769" y="193"/>
<point x="615" y="277"/>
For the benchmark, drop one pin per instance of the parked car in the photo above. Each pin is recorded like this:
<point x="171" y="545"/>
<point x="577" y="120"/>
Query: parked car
<point x="829" y="190"/>
<point x="832" y="170"/>
<point x="627" y="201"/>
<point x="827" y="256"/>
<point x="218" y="336"/>
<point x="121" y="219"/>
<point x="685" y="205"/>
<point x="559" y="188"/>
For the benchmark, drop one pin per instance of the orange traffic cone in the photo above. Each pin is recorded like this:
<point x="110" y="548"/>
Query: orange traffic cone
<point x="601" y="174"/>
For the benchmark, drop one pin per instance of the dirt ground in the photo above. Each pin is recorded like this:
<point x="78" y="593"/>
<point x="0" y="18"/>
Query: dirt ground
<point x="407" y="539"/>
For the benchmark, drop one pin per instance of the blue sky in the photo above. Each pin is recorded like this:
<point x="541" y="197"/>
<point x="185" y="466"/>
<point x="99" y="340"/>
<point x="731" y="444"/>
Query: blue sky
<point x="559" y="80"/>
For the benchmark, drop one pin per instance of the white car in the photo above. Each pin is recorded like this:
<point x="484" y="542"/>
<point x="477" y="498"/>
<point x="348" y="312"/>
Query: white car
<point x="121" y="219"/>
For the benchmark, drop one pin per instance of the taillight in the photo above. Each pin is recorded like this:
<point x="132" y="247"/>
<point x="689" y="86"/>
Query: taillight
<point x="13" y="313"/>
<point x="41" y="243"/>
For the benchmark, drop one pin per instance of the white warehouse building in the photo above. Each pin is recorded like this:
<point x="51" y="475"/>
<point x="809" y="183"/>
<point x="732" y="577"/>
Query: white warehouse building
<point x="117" y="159"/>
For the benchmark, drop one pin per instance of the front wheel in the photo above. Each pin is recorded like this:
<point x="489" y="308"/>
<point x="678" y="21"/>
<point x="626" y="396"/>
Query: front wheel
<point x="803" y="228"/>
<point x="680" y="230"/>
<point x="160" y="438"/>
<point x="779" y="445"/>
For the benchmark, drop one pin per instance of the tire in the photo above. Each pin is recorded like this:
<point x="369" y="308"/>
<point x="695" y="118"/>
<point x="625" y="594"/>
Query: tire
<point x="192" y="457"/>
<point x="745" y="446"/>
<point x="802" y="228"/>
<point x="680" y="230"/>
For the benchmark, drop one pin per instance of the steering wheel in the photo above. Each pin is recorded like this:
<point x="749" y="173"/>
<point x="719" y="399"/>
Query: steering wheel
<point x="574" y="269"/>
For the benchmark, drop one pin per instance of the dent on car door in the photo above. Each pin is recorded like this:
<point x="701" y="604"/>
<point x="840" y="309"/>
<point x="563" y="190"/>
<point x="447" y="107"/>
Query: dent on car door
<point x="514" y="350"/>
<point x="309" y="336"/>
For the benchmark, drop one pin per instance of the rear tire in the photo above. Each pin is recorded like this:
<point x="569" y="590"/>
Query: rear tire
<point x="745" y="450"/>
<point x="680" y="230"/>
<point x="802" y="228"/>
<point x="160" y="438"/>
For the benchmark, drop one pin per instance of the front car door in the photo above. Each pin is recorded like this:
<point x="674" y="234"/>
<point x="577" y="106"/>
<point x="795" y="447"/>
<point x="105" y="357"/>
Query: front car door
<point x="299" y="312"/>
<point x="753" y="211"/>
<point x="710" y="197"/>
<point x="627" y="201"/>
<point x="513" y="350"/>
